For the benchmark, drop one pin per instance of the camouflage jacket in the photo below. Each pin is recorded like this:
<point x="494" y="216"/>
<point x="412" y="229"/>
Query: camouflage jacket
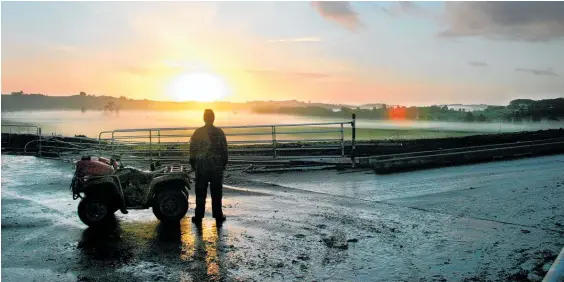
<point x="208" y="149"/>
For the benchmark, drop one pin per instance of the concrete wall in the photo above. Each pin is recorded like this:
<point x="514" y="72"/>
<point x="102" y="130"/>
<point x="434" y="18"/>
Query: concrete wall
<point x="465" y="156"/>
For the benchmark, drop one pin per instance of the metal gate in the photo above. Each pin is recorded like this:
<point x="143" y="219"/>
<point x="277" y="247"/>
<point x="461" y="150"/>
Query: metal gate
<point x="257" y="142"/>
<point x="16" y="137"/>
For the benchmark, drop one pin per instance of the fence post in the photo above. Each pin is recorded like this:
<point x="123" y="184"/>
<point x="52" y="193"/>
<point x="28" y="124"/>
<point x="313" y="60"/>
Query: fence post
<point x="274" y="141"/>
<point x="150" y="145"/>
<point x="159" y="134"/>
<point x="353" y="141"/>
<point x="113" y="143"/>
<point x="342" y="140"/>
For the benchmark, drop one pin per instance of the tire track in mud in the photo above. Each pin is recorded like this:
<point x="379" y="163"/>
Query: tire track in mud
<point x="384" y="202"/>
<point x="388" y="233"/>
<point x="333" y="238"/>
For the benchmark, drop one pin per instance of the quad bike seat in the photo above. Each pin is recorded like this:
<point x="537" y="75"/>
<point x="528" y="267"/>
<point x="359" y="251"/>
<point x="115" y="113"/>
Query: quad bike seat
<point x="129" y="174"/>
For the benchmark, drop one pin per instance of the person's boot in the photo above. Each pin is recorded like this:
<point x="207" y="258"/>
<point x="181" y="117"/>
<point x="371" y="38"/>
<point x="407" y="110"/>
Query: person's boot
<point x="220" y="219"/>
<point x="196" y="220"/>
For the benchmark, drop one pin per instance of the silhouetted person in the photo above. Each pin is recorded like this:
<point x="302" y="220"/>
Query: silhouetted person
<point x="208" y="157"/>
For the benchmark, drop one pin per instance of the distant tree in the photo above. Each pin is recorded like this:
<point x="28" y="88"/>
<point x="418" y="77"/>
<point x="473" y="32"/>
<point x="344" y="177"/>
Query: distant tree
<point x="83" y="94"/>
<point x="517" y="116"/>
<point x="520" y="103"/>
<point x="481" y="118"/>
<point x="444" y="109"/>
<point x="469" y="117"/>
<point x="19" y="93"/>
<point x="110" y="106"/>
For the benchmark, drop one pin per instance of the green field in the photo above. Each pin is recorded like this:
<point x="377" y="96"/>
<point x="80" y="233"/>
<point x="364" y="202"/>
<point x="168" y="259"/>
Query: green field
<point x="362" y="134"/>
<point x="406" y="134"/>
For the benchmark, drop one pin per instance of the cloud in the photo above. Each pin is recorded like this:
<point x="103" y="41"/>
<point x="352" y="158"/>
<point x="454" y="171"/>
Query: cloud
<point x="410" y="8"/>
<point x="340" y="12"/>
<point x="515" y="21"/>
<point x="296" y="40"/>
<point x="288" y="74"/>
<point x="546" y="72"/>
<point x="477" y="64"/>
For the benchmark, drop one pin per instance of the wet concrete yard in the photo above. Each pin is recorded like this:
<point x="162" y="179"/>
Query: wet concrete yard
<point x="499" y="221"/>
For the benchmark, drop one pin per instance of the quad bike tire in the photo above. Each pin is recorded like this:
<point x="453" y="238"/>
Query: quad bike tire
<point x="170" y="205"/>
<point x="93" y="212"/>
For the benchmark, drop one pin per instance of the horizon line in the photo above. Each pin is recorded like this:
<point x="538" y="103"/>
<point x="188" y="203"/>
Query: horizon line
<point x="290" y="100"/>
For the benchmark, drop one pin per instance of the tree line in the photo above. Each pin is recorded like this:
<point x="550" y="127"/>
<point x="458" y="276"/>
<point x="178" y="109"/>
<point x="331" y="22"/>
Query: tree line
<point x="517" y="111"/>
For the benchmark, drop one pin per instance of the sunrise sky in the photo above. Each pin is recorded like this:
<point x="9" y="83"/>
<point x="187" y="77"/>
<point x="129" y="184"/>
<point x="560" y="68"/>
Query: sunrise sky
<point x="411" y="53"/>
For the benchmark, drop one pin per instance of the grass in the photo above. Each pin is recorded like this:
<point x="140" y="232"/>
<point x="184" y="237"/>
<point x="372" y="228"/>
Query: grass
<point x="364" y="134"/>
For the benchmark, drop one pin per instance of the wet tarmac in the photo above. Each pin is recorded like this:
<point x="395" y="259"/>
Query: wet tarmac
<point x="498" y="221"/>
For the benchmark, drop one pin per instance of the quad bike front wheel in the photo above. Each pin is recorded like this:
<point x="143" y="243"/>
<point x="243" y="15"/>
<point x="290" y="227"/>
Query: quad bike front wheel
<point x="93" y="212"/>
<point x="170" y="205"/>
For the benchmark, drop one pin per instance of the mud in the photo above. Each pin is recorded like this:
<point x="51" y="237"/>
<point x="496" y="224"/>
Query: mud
<point x="452" y="224"/>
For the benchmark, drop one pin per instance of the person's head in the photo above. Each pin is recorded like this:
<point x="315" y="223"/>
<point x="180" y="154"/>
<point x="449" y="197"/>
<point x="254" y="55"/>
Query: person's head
<point x="209" y="116"/>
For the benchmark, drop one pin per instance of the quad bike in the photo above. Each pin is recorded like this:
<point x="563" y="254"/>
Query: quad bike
<point x="105" y="186"/>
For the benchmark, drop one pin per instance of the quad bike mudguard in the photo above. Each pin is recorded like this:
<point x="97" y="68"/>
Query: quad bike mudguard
<point x="155" y="181"/>
<point x="158" y="182"/>
<point x="111" y="182"/>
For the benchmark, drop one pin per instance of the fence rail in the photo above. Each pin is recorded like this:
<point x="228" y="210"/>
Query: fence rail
<point x="250" y="142"/>
<point x="19" y="145"/>
<point x="276" y="141"/>
<point x="18" y="129"/>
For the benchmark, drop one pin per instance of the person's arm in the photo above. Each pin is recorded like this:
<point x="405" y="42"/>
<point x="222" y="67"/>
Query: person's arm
<point x="193" y="149"/>
<point x="224" y="152"/>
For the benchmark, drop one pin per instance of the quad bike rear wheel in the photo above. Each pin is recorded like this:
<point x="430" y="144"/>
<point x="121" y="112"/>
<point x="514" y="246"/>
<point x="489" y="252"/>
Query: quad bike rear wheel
<point x="93" y="212"/>
<point x="170" y="205"/>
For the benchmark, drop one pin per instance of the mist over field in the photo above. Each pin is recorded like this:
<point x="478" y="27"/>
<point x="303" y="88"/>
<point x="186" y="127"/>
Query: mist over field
<point x="91" y="123"/>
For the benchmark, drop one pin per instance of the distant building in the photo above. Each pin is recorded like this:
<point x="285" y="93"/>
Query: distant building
<point x="467" y="108"/>
<point x="371" y="106"/>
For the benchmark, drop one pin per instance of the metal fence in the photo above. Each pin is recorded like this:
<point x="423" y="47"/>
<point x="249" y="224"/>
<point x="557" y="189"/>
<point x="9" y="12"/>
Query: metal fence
<point x="29" y="134"/>
<point x="21" y="129"/>
<point x="68" y="148"/>
<point x="276" y="141"/>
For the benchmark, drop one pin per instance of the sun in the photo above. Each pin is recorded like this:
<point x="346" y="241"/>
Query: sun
<point x="201" y="87"/>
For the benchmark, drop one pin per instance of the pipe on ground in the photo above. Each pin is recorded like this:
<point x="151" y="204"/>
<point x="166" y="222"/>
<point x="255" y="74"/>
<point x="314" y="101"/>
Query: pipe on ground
<point x="556" y="271"/>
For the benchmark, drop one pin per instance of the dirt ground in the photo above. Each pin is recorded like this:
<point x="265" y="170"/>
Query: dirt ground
<point x="498" y="222"/>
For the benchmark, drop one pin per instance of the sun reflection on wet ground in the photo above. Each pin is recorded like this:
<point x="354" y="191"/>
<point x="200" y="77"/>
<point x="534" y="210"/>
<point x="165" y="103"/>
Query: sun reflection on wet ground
<point x="195" y="249"/>
<point x="200" y="244"/>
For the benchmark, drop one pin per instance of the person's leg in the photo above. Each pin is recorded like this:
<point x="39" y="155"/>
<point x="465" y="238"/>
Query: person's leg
<point x="216" y="190"/>
<point x="201" y="194"/>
